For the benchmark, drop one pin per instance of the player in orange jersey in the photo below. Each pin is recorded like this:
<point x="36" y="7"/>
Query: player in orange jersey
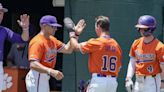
<point x="105" y="57"/>
<point x="43" y="49"/>
<point x="146" y="59"/>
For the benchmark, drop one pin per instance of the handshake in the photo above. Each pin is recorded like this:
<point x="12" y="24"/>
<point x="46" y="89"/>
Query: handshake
<point x="72" y="28"/>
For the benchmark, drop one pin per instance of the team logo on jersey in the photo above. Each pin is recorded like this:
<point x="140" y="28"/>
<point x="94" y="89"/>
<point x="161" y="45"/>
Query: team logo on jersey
<point x="7" y="81"/>
<point x="148" y="57"/>
<point x="50" y="55"/>
<point x="150" y="69"/>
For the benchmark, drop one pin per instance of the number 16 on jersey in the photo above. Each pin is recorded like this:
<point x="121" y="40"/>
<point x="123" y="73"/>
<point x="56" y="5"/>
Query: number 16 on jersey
<point x="109" y="63"/>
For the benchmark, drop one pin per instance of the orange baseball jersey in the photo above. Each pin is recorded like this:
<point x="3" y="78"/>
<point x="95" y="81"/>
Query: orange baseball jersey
<point x="105" y="55"/>
<point x="148" y="55"/>
<point x="44" y="50"/>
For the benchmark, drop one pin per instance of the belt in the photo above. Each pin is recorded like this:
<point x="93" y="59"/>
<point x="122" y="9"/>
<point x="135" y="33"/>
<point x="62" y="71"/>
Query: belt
<point x="145" y="76"/>
<point x="154" y="75"/>
<point x="150" y="75"/>
<point x="101" y="75"/>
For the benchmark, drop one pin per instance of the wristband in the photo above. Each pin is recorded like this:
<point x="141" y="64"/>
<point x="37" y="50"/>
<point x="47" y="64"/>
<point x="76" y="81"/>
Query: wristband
<point x="77" y="34"/>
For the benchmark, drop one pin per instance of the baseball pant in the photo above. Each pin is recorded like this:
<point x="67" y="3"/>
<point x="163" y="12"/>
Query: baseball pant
<point x="147" y="83"/>
<point x="1" y="75"/>
<point x="102" y="84"/>
<point x="37" y="82"/>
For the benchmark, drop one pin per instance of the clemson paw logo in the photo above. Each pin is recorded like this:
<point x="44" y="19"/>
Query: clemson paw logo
<point x="7" y="81"/>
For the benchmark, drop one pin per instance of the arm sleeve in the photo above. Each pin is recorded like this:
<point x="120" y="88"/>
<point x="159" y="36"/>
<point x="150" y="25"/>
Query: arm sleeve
<point x="131" y="65"/>
<point x="13" y="37"/>
<point x="131" y="68"/>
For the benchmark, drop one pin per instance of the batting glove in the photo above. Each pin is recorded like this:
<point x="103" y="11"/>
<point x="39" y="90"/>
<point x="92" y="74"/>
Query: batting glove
<point x="69" y="24"/>
<point x="129" y="85"/>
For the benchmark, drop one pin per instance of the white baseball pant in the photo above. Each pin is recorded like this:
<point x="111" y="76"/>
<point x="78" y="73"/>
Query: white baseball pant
<point x="102" y="84"/>
<point x="37" y="82"/>
<point x="147" y="83"/>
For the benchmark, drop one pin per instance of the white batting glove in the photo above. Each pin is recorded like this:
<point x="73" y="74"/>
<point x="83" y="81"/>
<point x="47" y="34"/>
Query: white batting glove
<point x="129" y="85"/>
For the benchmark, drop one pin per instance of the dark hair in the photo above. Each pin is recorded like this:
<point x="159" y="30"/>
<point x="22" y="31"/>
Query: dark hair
<point x="104" y="22"/>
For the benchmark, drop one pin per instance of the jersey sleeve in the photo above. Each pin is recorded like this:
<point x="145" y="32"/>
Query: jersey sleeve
<point x="160" y="52"/>
<point x="132" y="49"/>
<point x="89" y="46"/>
<point x="60" y="45"/>
<point x="36" y="51"/>
<point x="13" y="37"/>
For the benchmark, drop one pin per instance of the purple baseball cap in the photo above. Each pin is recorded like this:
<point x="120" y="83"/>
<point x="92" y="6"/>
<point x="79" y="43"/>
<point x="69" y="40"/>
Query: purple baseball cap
<point x="50" y="20"/>
<point x="2" y="8"/>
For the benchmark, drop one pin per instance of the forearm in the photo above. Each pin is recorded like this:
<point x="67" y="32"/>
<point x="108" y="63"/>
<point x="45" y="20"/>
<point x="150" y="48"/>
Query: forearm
<point x="25" y="34"/>
<point x="74" y="44"/>
<point x="35" y="65"/>
<point x="68" y="48"/>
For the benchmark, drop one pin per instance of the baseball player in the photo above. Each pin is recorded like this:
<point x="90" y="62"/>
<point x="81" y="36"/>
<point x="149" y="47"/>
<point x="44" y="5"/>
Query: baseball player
<point x="105" y="56"/>
<point x="146" y="59"/>
<point x="8" y="34"/>
<point x="43" y="49"/>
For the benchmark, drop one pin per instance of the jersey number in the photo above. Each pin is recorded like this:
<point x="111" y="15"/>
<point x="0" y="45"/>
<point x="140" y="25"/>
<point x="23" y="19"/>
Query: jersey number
<point x="109" y="63"/>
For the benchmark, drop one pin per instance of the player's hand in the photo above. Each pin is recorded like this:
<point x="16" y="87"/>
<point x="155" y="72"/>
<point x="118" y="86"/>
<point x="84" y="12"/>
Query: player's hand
<point x="24" y="21"/>
<point x="129" y="85"/>
<point x="80" y="26"/>
<point x="57" y="74"/>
